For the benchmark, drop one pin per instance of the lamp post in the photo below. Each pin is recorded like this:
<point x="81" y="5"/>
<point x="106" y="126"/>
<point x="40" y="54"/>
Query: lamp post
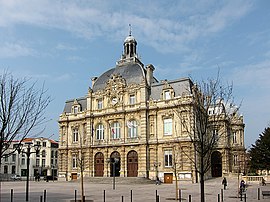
<point x="28" y="152"/>
<point x="113" y="161"/>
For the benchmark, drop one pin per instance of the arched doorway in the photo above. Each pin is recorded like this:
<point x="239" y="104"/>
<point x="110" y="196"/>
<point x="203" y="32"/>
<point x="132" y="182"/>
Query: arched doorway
<point x="99" y="165"/>
<point x="115" y="161"/>
<point x="216" y="164"/>
<point x="132" y="164"/>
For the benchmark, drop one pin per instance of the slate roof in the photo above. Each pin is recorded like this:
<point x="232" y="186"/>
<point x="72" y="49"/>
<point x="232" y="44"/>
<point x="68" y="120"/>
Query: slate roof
<point x="133" y="73"/>
<point x="180" y="86"/>
<point x="82" y="102"/>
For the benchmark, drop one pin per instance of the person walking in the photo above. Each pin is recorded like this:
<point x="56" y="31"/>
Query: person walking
<point x="224" y="182"/>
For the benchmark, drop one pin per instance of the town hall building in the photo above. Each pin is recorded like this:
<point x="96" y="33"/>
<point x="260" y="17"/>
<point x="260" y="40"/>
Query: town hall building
<point x="127" y="125"/>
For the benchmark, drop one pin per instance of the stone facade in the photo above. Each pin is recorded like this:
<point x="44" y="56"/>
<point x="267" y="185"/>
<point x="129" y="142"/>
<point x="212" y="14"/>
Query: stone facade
<point x="128" y="125"/>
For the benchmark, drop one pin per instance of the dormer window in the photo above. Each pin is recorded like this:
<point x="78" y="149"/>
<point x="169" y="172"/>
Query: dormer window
<point x="99" y="104"/>
<point x="132" y="99"/>
<point x="76" y="107"/>
<point x="167" y="95"/>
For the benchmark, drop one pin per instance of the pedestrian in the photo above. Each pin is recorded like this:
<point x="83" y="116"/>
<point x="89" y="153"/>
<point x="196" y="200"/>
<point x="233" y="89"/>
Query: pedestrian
<point x="157" y="181"/>
<point x="224" y="182"/>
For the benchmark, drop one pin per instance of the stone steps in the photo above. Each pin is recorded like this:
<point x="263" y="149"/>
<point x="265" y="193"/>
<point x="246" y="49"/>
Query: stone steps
<point x="118" y="180"/>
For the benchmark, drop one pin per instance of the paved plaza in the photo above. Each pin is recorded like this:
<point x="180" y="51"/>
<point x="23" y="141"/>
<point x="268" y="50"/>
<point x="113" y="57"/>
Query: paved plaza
<point x="64" y="191"/>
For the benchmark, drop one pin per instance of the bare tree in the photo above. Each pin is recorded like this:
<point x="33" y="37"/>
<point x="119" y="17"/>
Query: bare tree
<point x="205" y="121"/>
<point x="22" y="109"/>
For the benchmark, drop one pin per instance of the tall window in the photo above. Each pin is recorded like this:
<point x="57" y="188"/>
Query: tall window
<point x="167" y="95"/>
<point x="132" y="129"/>
<point x="167" y="126"/>
<point x="37" y="163"/>
<point x="168" y="158"/>
<point x="99" y="104"/>
<point x="234" y="137"/>
<point x="74" y="162"/>
<point x="75" y="135"/>
<point x="115" y="130"/>
<point x="43" y="163"/>
<point x="23" y="161"/>
<point x="76" y="109"/>
<point x="100" y="132"/>
<point x="44" y="144"/>
<point x="235" y="160"/>
<point x="43" y="153"/>
<point x="13" y="157"/>
<point x="132" y="99"/>
<point x="52" y="154"/>
<point x="6" y="158"/>
<point x="215" y="134"/>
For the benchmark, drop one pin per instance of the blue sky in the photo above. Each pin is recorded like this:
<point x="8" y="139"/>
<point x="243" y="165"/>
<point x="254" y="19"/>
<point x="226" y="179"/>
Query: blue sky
<point x="66" y="43"/>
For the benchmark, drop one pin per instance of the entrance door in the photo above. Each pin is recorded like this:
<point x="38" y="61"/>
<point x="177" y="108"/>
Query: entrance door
<point x="99" y="165"/>
<point x="115" y="164"/>
<point x="74" y="176"/>
<point x="168" y="178"/>
<point x="216" y="164"/>
<point x="132" y="164"/>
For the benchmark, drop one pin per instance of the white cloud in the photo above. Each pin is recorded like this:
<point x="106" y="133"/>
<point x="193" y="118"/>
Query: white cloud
<point x="11" y="50"/>
<point x="161" y="26"/>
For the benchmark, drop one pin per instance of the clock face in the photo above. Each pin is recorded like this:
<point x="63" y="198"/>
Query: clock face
<point x="114" y="100"/>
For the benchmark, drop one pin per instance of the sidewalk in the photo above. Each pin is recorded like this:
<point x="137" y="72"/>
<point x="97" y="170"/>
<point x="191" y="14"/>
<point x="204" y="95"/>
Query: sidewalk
<point x="64" y="191"/>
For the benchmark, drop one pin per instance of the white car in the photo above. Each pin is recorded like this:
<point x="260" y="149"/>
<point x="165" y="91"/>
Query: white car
<point x="16" y="177"/>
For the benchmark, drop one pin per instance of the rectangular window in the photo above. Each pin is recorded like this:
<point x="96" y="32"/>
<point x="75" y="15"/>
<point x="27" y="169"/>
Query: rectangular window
<point x="168" y="158"/>
<point x="115" y="130"/>
<point x="37" y="163"/>
<point x="52" y="161"/>
<point x="75" y="109"/>
<point x="99" y="104"/>
<point x="167" y="126"/>
<point x="234" y="138"/>
<point x="55" y="160"/>
<point x="74" y="162"/>
<point x="52" y="154"/>
<point x="44" y="144"/>
<point x="167" y="95"/>
<point x="6" y="158"/>
<point x="100" y="132"/>
<point x="235" y="160"/>
<point x="132" y="99"/>
<point x="23" y="161"/>
<point x="215" y="134"/>
<point x="43" y="163"/>
<point x="75" y="135"/>
<point x="132" y="128"/>
<point x="13" y="157"/>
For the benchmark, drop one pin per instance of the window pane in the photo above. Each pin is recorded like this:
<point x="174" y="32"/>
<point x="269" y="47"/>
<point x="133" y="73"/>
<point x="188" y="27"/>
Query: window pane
<point x="115" y="130"/>
<point x="132" y="99"/>
<point x="167" y="126"/>
<point x="132" y="128"/>
<point x="100" y="132"/>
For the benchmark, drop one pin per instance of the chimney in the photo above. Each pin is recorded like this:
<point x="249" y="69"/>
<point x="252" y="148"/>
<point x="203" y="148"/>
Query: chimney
<point x="149" y="74"/>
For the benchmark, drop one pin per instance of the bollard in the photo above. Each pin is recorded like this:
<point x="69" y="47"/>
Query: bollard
<point x="41" y="198"/>
<point x="218" y="198"/>
<point x="11" y="195"/>
<point x="104" y="195"/>
<point x="157" y="198"/>
<point x="245" y="197"/>
<point x="180" y="195"/>
<point x="189" y="198"/>
<point x="259" y="193"/>
<point x="130" y="195"/>
<point x="83" y="198"/>
<point x="122" y="198"/>
<point x="156" y="194"/>
<point x="45" y="195"/>
<point x="221" y="191"/>
<point x="75" y="195"/>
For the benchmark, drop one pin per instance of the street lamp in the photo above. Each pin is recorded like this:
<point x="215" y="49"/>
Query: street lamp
<point x="28" y="152"/>
<point x="113" y="161"/>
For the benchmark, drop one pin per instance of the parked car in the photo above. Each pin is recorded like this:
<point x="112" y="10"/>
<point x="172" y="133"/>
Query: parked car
<point x="16" y="177"/>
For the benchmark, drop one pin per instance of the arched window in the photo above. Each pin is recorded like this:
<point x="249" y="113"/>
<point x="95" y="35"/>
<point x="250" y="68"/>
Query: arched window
<point x="132" y="129"/>
<point x="100" y="132"/>
<point x="115" y="130"/>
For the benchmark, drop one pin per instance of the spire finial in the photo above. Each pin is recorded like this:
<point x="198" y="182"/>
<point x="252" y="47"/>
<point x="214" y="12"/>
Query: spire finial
<point x="129" y="29"/>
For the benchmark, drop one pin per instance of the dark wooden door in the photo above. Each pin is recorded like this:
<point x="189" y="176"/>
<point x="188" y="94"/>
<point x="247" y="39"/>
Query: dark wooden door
<point x="99" y="165"/>
<point x="132" y="164"/>
<point x="168" y="178"/>
<point x="216" y="164"/>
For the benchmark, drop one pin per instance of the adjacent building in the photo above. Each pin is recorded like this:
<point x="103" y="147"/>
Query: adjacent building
<point x="44" y="163"/>
<point x="128" y="125"/>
